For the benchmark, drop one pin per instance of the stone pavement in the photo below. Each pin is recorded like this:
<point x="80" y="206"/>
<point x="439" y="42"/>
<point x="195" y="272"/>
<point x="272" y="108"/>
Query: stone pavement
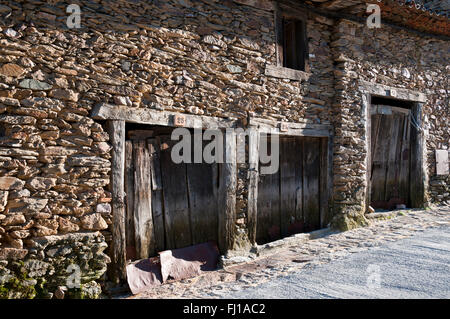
<point x="283" y="260"/>
<point x="417" y="267"/>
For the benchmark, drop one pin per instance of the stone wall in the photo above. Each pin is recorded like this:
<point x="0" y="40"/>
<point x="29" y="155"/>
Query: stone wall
<point x="72" y="262"/>
<point x="204" y="57"/>
<point x="395" y="58"/>
<point x="199" y="57"/>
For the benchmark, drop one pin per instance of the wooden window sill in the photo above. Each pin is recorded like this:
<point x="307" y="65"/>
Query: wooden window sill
<point x="286" y="73"/>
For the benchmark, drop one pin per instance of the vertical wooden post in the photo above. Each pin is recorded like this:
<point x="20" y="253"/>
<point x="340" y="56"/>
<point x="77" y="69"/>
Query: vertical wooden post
<point x="417" y="179"/>
<point x="157" y="199"/>
<point x="323" y="182"/>
<point x="366" y="105"/>
<point x="252" y="196"/>
<point x="129" y="190"/>
<point x="227" y="193"/>
<point x="117" y="139"/>
<point x="330" y="169"/>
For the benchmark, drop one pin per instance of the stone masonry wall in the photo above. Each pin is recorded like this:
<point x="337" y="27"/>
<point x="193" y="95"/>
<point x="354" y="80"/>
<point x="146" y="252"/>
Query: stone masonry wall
<point x="201" y="57"/>
<point x="395" y="58"/>
<point x="73" y="261"/>
<point x="205" y="57"/>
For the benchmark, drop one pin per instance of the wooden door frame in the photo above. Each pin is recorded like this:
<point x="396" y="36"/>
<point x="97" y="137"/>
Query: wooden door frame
<point x="323" y="131"/>
<point x="418" y="172"/>
<point x="116" y="118"/>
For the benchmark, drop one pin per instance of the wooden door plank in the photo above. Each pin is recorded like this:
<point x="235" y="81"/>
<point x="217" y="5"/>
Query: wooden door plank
<point x="157" y="199"/>
<point x="379" y="164"/>
<point x="398" y="156"/>
<point x="175" y="198"/>
<point x="402" y="114"/>
<point x="297" y="158"/>
<point x="405" y="156"/>
<point x="269" y="218"/>
<point x="143" y="220"/>
<point x="155" y="150"/>
<point x="264" y="209"/>
<point x="129" y="190"/>
<point x="375" y="168"/>
<point x="215" y="179"/>
<point x="288" y="187"/>
<point x="392" y="191"/>
<point x="375" y="131"/>
<point x="311" y="208"/>
<point x="275" y="206"/>
<point x="202" y="202"/>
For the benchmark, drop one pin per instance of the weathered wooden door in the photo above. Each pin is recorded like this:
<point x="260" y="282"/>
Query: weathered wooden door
<point x="289" y="200"/>
<point x="390" y="156"/>
<point x="169" y="205"/>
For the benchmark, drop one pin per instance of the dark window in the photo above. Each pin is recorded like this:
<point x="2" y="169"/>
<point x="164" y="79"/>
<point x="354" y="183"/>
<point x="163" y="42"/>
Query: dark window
<point x="380" y="100"/>
<point x="294" y="44"/>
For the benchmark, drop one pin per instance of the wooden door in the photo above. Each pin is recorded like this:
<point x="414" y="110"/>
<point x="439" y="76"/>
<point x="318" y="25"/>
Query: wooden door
<point x="390" y="156"/>
<point x="169" y="205"/>
<point x="289" y="200"/>
<point x="268" y="224"/>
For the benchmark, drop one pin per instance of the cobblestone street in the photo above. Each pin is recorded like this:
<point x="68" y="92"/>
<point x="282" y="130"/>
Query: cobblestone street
<point x="293" y="257"/>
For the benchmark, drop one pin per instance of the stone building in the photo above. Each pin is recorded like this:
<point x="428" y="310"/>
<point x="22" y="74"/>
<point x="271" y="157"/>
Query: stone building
<point x="85" y="111"/>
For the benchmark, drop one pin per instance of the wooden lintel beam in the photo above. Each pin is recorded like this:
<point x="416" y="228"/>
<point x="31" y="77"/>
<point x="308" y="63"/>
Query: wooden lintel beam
<point x="105" y="111"/>
<point x="291" y="128"/>
<point x="393" y="92"/>
<point x="280" y="72"/>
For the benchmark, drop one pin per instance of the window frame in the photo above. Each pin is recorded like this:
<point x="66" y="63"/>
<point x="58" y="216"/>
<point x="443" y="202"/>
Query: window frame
<point x="282" y="14"/>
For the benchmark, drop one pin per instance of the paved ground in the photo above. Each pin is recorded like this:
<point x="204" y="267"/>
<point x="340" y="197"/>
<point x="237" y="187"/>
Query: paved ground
<point x="418" y="267"/>
<point x="411" y="250"/>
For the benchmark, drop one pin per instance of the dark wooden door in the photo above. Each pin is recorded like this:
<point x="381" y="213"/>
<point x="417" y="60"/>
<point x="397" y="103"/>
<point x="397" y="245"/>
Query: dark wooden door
<point x="289" y="200"/>
<point x="390" y="156"/>
<point x="169" y="205"/>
